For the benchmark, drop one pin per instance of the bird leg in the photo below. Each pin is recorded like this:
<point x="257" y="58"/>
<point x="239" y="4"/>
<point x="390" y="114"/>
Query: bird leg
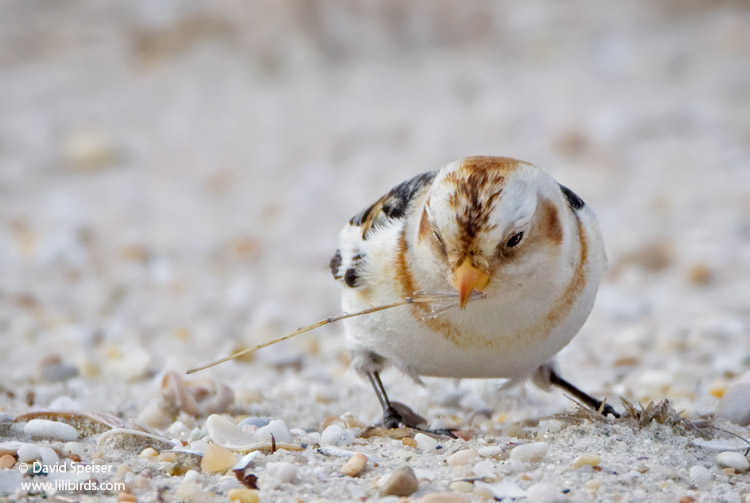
<point x="597" y="405"/>
<point x="391" y="417"/>
<point x="398" y="415"/>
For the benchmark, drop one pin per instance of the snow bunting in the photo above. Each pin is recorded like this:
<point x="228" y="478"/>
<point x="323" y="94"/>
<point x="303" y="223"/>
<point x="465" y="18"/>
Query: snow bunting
<point x="496" y="225"/>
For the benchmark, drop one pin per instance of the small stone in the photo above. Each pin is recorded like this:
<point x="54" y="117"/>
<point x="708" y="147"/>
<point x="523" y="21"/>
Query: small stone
<point x="489" y="451"/>
<point x="336" y="435"/>
<point x="594" y="485"/>
<point x="126" y="497"/>
<point x="700" y="274"/>
<point x="48" y="455"/>
<point x="700" y="476"/>
<point x="7" y="461"/>
<point x="687" y="499"/>
<point x="542" y="492"/>
<point x="718" y="388"/>
<point x="217" y="459"/>
<point x="58" y="371"/>
<point x="44" y="428"/>
<point x="190" y="488"/>
<point x="354" y="465"/>
<point x="484" y="469"/>
<point x="734" y="405"/>
<point x="167" y="457"/>
<point x="587" y="459"/>
<point x="534" y="451"/>
<point x="148" y="452"/>
<point x="425" y="442"/>
<point x="402" y="482"/>
<point x="282" y="471"/>
<point x="444" y="498"/>
<point x="409" y="442"/>
<point x="461" y="486"/>
<point x="27" y="452"/>
<point x="462" y="457"/>
<point x="88" y="149"/>
<point x="732" y="459"/>
<point x="243" y="495"/>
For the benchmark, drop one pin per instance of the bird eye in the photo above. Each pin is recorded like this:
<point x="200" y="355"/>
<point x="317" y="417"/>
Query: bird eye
<point x="514" y="239"/>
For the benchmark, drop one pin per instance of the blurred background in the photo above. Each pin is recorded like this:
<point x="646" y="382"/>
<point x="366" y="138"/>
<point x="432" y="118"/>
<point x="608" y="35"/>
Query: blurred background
<point x="174" y="174"/>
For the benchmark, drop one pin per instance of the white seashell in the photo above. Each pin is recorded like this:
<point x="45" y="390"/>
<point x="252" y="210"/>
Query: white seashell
<point x="44" y="428"/>
<point x="227" y="434"/>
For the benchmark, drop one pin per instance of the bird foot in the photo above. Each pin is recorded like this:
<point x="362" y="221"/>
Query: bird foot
<point x="606" y="409"/>
<point x="399" y="415"/>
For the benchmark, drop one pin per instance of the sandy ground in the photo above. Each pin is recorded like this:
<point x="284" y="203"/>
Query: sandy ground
<point x="173" y="178"/>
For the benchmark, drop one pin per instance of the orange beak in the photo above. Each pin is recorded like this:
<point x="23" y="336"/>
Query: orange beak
<point x="466" y="279"/>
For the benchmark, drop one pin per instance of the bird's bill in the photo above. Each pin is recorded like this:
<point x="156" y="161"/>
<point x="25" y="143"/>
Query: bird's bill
<point x="466" y="279"/>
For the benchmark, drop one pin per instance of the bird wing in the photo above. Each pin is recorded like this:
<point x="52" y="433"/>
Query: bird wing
<point x="392" y="206"/>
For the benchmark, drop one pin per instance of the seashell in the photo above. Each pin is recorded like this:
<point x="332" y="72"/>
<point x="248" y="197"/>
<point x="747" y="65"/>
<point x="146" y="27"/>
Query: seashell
<point x="86" y="423"/>
<point x="196" y="398"/>
<point x="133" y="440"/>
<point x="44" y="428"/>
<point x="227" y="434"/>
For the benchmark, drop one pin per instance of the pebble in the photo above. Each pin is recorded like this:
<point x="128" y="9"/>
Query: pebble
<point x="484" y="469"/>
<point x="425" y="442"/>
<point x="58" y="371"/>
<point x="489" y="451"/>
<point x="700" y="476"/>
<point x="462" y="457"/>
<point x="148" y="452"/>
<point x="732" y="459"/>
<point x="354" y="465"/>
<point x="190" y="488"/>
<point x="277" y="428"/>
<point x="534" y="451"/>
<point x="28" y="452"/>
<point x="217" y="459"/>
<point x="443" y="498"/>
<point x="542" y="492"/>
<point x="48" y="455"/>
<point x="243" y="495"/>
<point x="402" y="482"/>
<point x="88" y="149"/>
<point x="336" y="435"/>
<point x="734" y="405"/>
<point x="44" y="428"/>
<point x="587" y="459"/>
<point x="461" y="486"/>
<point x="125" y="497"/>
<point x="7" y="461"/>
<point x="282" y="471"/>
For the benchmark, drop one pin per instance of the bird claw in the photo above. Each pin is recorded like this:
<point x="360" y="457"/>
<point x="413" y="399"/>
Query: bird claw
<point x="393" y="419"/>
<point x="606" y="409"/>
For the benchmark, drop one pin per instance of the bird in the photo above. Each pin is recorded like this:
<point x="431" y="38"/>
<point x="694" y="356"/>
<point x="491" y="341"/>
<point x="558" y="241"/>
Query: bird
<point x="494" y="225"/>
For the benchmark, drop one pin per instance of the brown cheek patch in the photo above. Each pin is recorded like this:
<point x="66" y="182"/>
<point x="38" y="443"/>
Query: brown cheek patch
<point x="552" y="226"/>
<point x="408" y="287"/>
<point x="424" y="226"/>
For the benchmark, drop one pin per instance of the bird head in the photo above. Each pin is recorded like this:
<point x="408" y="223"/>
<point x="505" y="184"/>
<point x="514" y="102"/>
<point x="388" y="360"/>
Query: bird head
<point x="481" y="218"/>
